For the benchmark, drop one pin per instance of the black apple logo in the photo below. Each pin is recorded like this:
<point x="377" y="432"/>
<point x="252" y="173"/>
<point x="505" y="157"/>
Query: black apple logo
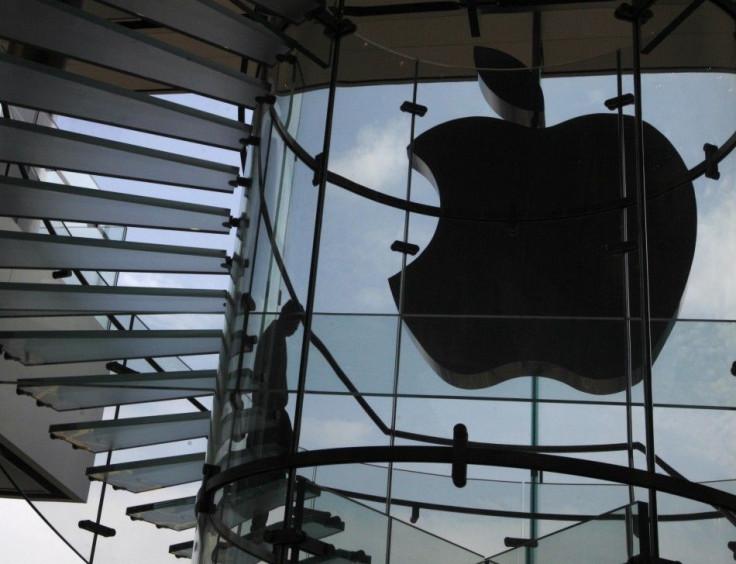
<point x="528" y="286"/>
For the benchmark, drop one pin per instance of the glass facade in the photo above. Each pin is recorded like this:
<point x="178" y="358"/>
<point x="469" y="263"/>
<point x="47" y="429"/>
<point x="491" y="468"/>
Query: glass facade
<point x="524" y="247"/>
<point x="479" y="304"/>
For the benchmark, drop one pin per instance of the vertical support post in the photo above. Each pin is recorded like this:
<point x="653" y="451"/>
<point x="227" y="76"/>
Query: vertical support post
<point x="623" y="191"/>
<point x="643" y="527"/>
<point x="397" y="355"/>
<point x="644" y="299"/>
<point x="298" y="516"/>
<point x="531" y="556"/>
<point x="312" y="283"/>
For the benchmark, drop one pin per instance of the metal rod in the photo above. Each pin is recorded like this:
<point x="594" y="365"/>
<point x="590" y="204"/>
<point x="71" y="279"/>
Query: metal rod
<point x="644" y="298"/>
<point x="672" y="26"/>
<point x="312" y="283"/>
<point x="623" y="191"/>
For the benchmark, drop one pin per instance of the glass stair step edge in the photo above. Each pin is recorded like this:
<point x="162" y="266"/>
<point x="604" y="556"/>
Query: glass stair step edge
<point x="85" y="392"/>
<point x="182" y="549"/>
<point x="116" y="434"/>
<point x="241" y="497"/>
<point x="340" y="556"/>
<point x="174" y="514"/>
<point x="145" y="475"/>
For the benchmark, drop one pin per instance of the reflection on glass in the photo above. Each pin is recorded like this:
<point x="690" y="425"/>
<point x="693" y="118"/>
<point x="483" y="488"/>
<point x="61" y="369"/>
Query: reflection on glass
<point x="603" y="540"/>
<point x="265" y="427"/>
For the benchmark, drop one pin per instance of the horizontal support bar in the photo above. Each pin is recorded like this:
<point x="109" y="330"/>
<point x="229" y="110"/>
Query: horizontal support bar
<point x="484" y="456"/>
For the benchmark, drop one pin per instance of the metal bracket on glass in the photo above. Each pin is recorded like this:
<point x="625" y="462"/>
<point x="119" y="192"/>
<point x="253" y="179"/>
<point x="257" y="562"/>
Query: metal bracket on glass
<point x="243" y="221"/>
<point x="119" y="368"/>
<point x="711" y="161"/>
<point x="318" y="160"/>
<point x="287" y="58"/>
<point x="58" y="274"/>
<point x="334" y="26"/>
<point x="514" y="542"/>
<point x="243" y="181"/>
<point x="206" y="500"/>
<point x="406" y="248"/>
<point x="412" y="108"/>
<point x="627" y="13"/>
<point x="96" y="528"/>
<point x="247" y="302"/>
<point x="459" y="462"/>
<point x="619" y="101"/>
<point x="253" y="140"/>
<point x="269" y="100"/>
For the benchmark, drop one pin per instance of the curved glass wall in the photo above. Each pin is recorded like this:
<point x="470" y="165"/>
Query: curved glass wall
<point x="542" y="261"/>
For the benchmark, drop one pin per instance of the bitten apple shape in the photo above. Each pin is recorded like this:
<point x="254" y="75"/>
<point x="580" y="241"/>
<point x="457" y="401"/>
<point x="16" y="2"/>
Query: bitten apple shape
<point x="519" y="278"/>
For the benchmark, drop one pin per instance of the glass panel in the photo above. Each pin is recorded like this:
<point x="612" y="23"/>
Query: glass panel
<point x="603" y="540"/>
<point x="214" y="24"/>
<point x="364" y="531"/>
<point x="32" y="85"/>
<point x="37" y="347"/>
<point x="83" y="392"/>
<point x="145" y="475"/>
<point x="28" y="300"/>
<point x="26" y="250"/>
<point x="493" y="506"/>
<point x="412" y="544"/>
<point x="362" y="348"/>
<point x="25" y="198"/>
<point x="175" y="514"/>
<point x="89" y="38"/>
<point x="693" y="532"/>
<point x="52" y="148"/>
<point x="101" y="436"/>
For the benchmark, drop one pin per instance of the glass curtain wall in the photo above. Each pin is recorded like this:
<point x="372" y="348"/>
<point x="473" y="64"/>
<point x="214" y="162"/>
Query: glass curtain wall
<point x="548" y="268"/>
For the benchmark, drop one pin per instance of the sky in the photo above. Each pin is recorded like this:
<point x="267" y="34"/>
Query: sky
<point x="370" y="147"/>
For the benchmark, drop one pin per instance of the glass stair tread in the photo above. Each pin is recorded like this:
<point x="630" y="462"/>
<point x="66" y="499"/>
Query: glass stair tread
<point x="84" y="36"/>
<point x="242" y="497"/>
<point x="84" y="392"/>
<point x="60" y="347"/>
<point x="175" y="514"/>
<point x="47" y="300"/>
<point x="44" y="88"/>
<point x="146" y="475"/>
<point x="116" y="434"/>
<point x="209" y="22"/>
<point x="182" y="549"/>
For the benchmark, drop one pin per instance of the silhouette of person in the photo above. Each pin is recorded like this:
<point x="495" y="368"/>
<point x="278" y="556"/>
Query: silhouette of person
<point x="273" y="434"/>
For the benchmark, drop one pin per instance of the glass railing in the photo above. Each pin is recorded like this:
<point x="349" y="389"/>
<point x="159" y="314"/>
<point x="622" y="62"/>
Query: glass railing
<point x="337" y="528"/>
<point x="612" y="538"/>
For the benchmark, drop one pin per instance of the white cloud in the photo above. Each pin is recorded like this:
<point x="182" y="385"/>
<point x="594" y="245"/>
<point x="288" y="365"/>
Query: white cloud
<point x="378" y="157"/>
<point x="710" y="292"/>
